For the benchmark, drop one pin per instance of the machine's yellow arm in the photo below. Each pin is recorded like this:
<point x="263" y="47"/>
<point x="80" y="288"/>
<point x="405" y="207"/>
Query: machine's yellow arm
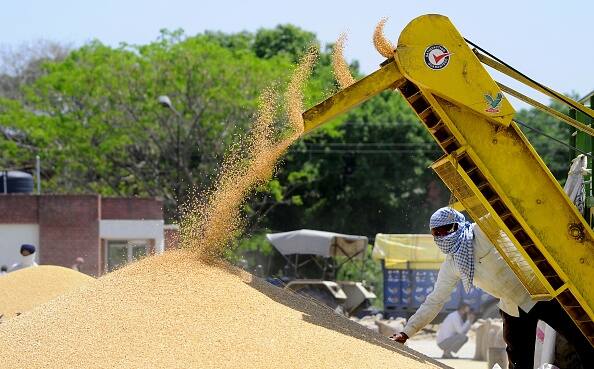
<point x="386" y="77"/>
<point x="489" y="165"/>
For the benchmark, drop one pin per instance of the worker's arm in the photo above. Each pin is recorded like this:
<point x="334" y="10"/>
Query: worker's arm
<point x="447" y="278"/>
<point x="460" y="327"/>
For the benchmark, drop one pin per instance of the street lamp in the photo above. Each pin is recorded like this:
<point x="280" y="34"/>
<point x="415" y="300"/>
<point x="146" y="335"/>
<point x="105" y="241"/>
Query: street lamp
<point x="165" y="102"/>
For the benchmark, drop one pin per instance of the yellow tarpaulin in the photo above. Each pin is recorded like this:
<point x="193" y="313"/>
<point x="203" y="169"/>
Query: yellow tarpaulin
<point x="407" y="251"/>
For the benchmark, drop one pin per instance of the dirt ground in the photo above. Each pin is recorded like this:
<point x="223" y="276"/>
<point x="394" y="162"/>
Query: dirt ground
<point x="425" y="343"/>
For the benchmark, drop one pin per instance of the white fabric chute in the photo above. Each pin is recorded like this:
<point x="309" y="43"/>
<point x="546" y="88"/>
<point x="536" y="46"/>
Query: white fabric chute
<point x="574" y="186"/>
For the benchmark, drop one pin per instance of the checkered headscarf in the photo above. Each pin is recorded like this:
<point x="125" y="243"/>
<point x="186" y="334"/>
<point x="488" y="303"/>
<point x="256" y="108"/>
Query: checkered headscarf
<point x="457" y="244"/>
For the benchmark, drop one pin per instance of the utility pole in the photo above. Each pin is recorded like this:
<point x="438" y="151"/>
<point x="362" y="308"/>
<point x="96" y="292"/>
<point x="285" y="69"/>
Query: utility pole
<point x="165" y="102"/>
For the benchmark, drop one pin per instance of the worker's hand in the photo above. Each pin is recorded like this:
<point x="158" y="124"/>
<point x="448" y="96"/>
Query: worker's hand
<point x="399" y="337"/>
<point x="471" y="317"/>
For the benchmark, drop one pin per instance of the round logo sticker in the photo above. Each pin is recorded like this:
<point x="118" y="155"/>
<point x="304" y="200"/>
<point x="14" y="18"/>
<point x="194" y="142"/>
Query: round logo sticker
<point x="437" y="57"/>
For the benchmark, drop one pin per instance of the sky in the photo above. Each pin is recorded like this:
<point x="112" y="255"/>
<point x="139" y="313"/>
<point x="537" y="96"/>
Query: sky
<point x="549" y="41"/>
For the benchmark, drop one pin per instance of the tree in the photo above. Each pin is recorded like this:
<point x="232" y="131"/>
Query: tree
<point x="285" y="39"/>
<point x="22" y="65"/>
<point x="94" y="119"/>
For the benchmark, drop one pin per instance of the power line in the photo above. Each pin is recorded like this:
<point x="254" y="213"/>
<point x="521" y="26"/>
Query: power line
<point x="551" y="137"/>
<point x="372" y="144"/>
<point x="366" y="148"/>
<point x="360" y="151"/>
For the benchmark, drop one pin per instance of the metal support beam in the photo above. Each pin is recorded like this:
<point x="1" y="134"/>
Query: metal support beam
<point x="507" y="70"/>
<point x="562" y="117"/>
<point x="382" y="79"/>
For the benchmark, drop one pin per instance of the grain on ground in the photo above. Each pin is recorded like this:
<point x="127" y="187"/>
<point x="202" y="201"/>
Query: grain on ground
<point x="175" y="311"/>
<point x="27" y="288"/>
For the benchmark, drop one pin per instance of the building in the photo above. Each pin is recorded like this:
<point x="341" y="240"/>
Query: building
<point x="107" y="232"/>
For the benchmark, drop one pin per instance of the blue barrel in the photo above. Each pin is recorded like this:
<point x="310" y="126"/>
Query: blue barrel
<point x="16" y="182"/>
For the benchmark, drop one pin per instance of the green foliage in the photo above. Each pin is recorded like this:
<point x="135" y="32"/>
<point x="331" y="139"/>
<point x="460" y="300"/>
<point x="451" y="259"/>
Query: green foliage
<point x="286" y="40"/>
<point x="94" y="119"/>
<point x="556" y="156"/>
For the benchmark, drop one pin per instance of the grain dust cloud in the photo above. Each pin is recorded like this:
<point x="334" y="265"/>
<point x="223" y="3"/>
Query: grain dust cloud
<point x="210" y="225"/>
<point x="339" y="65"/>
<point x="381" y="43"/>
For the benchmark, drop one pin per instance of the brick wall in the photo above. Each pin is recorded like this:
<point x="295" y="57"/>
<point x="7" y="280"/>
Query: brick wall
<point x="18" y="208"/>
<point x="69" y="224"/>
<point x="171" y="235"/>
<point x="131" y="208"/>
<point x="68" y="228"/>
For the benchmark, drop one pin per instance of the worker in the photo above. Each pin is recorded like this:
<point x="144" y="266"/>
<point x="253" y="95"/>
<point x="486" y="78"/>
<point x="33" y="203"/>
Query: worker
<point x="472" y="258"/>
<point x="78" y="262"/>
<point x="28" y="258"/>
<point x="3" y="270"/>
<point x="453" y="331"/>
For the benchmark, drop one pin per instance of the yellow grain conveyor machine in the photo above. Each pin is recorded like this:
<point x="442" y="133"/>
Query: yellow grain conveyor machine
<point x="489" y="165"/>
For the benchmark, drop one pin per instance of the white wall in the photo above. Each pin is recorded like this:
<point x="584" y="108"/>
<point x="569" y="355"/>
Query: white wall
<point x="12" y="236"/>
<point x="116" y="229"/>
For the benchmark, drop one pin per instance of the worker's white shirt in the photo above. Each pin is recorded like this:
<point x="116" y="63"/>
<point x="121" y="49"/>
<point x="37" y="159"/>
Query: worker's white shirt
<point x="491" y="274"/>
<point x="26" y="262"/>
<point x="451" y="325"/>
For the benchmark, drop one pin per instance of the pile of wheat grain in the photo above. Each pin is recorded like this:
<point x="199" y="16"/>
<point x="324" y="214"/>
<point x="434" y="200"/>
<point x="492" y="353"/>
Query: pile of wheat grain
<point x="175" y="311"/>
<point x="24" y="289"/>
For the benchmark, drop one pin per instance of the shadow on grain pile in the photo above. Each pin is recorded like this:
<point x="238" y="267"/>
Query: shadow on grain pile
<point x="318" y="314"/>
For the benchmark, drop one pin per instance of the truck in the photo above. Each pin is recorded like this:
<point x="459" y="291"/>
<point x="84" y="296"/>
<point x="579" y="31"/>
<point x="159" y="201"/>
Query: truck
<point x="410" y="263"/>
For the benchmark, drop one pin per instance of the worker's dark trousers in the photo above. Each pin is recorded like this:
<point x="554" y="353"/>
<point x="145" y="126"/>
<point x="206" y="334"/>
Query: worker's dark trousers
<point x="520" y="334"/>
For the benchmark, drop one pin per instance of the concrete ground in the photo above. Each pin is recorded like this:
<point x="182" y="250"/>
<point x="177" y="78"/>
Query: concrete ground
<point x="425" y="343"/>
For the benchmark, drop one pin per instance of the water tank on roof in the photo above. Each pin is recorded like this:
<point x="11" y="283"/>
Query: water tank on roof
<point x="16" y="182"/>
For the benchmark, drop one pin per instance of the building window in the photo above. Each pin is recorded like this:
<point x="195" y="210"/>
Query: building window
<point x="121" y="252"/>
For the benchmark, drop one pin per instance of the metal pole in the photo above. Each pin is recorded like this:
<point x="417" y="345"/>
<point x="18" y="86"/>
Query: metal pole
<point x="165" y="102"/>
<point x="363" y="260"/>
<point x="5" y="182"/>
<point x="178" y="186"/>
<point x="38" y="173"/>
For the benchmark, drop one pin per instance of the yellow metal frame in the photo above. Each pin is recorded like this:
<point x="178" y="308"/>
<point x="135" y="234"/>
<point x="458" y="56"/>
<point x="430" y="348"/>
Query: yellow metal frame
<point x="500" y="166"/>
<point x="386" y="77"/>
<point x="562" y="117"/>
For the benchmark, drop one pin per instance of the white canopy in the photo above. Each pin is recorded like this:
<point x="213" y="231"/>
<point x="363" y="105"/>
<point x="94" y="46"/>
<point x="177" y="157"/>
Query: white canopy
<point x="574" y="186"/>
<point x="306" y="241"/>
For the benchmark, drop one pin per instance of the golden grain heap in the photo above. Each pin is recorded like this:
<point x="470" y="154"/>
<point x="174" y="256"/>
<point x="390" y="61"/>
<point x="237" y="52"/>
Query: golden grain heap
<point x="175" y="311"/>
<point x="188" y="309"/>
<point x="24" y="289"/>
